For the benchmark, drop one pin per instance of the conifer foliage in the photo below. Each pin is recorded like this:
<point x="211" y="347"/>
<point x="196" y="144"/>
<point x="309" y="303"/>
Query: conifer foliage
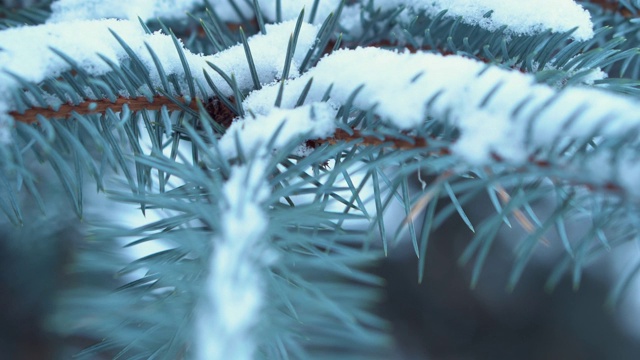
<point x="262" y="144"/>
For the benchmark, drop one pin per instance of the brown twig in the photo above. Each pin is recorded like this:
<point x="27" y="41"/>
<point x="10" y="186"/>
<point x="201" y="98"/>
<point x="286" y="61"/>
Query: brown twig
<point x="341" y="135"/>
<point x="66" y="111"/>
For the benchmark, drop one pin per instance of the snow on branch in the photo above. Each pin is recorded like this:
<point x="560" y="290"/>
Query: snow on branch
<point x="67" y="10"/>
<point x="498" y="112"/>
<point x="314" y="121"/>
<point x="234" y="293"/>
<point x="18" y="46"/>
<point x="521" y="17"/>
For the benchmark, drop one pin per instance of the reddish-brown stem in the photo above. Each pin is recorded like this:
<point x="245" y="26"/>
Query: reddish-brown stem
<point x="416" y="143"/>
<point x="65" y="111"/>
<point x="341" y="135"/>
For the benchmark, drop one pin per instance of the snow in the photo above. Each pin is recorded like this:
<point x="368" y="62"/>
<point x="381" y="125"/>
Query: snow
<point x="485" y="134"/>
<point x="522" y="17"/>
<point x="235" y="290"/>
<point x="69" y="10"/>
<point x="462" y="91"/>
<point x="19" y="44"/>
<point x="314" y="121"/>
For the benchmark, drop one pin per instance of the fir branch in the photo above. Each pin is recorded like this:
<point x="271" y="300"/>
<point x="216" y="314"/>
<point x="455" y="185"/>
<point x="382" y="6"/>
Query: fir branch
<point x="359" y="112"/>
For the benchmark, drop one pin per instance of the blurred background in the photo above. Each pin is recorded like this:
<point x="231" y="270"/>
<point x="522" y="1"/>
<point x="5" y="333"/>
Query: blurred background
<point x="444" y="319"/>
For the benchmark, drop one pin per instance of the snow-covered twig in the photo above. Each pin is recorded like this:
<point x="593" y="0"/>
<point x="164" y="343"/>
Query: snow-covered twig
<point x="520" y="17"/>
<point x="227" y="317"/>
<point x="19" y="45"/>
<point x="511" y="119"/>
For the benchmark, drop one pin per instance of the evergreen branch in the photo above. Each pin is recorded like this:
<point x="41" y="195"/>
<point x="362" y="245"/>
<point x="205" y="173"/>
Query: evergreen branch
<point x="431" y="93"/>
<point x="533" y="166"/>
<point x="309" y="180"/>
<point x="32" y="15"/>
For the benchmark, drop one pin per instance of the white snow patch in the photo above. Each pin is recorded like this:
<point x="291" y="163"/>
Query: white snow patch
<point x="70" y="10"/>
<point x="20" y="44"/>
<point x="522" y="17"/>
<point x="314" y="120"/>
<point x="487" y="134"/>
